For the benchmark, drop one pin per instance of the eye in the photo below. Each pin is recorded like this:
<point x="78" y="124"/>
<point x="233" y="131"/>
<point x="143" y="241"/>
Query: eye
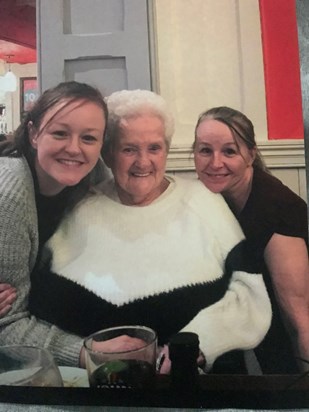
<point x="89" y="139"/>
<point x="155" y="148"/>
<point x="230" y="151"/>
<point x="59" y="134"/>
<point x="205" y="150"/>
<point x="128" y="150"/>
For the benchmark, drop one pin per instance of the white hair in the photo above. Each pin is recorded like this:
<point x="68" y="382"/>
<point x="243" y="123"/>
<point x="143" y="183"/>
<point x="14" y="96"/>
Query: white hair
<point x="125" y="104"/>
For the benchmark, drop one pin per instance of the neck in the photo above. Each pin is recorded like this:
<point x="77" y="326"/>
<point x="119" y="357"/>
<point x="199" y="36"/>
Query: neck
<point x="128" y="200"/>
<point x="47" y="185"/>
<point x="237" y="196"/>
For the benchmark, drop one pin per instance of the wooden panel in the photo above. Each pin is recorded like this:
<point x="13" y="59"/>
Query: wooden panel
<point x="110" y="49"/>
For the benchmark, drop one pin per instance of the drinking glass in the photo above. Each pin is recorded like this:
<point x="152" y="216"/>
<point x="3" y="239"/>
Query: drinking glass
<point x="28" y="366"/>
<point x="121" y="368"/>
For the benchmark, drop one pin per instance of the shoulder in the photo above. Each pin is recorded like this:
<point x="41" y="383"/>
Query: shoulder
<point x="210" y="207"/>
<point x="275" y="199"/>
<point x="196" y="194"/>
<point x="273" y="208"/>
<point x="16" y="180"/>
<point x="272" y="190"/>
<point x="89" y="211"/>
<point x="17" y="199"/>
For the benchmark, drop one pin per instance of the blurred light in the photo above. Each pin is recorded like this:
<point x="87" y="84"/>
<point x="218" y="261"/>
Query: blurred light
<point x="10" y="82"/>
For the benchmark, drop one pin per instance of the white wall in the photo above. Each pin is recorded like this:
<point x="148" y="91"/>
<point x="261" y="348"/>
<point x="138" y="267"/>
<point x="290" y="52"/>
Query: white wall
<point x="209" y="53"/>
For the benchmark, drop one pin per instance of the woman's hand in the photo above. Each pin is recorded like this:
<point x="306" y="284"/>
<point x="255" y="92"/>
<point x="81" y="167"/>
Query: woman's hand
<point x="164" y="362"/>
<point x="121" y="343"/>
<point x="7" y="297"/>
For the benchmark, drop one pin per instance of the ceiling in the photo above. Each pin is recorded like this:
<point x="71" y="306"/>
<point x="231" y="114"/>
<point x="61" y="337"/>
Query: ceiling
<point x="18" y="31"/>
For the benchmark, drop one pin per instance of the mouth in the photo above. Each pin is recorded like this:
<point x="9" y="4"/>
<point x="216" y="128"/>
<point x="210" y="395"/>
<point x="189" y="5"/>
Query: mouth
<point x="136" y="174"/>
<point x="70" y="162"/>
<point x="217" y="175"/>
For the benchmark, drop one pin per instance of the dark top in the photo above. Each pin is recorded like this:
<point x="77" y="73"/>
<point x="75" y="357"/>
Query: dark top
<point x="273" y="208"/>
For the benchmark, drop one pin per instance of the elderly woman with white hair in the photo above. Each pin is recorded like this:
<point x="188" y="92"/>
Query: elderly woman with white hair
<point x="151" y="249"/>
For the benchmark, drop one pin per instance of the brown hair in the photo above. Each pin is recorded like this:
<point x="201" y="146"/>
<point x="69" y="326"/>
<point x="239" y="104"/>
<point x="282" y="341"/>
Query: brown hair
<point x="70" y="91"/>
<point x="240" y="126"/>
<point x="20" y="144"/>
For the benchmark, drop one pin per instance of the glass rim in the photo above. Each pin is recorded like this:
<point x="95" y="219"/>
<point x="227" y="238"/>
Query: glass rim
<point x="35" y="348"/>
<point x="90" y="338"/>
<point x="49" y="358"/>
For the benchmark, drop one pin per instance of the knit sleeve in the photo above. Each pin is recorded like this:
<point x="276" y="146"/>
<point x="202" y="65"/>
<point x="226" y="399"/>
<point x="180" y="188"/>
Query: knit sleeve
<point x="242" y="317"/>
<point x="18" y="250"/>
<point x="18" y="233"/>
<point x="65" y="347"/>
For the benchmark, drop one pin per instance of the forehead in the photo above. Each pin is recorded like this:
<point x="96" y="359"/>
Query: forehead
<point x="143" y="127"/>
<point x="64" y="108"/>
<point x="210" y="129"/>
<point x="218" y="135"/>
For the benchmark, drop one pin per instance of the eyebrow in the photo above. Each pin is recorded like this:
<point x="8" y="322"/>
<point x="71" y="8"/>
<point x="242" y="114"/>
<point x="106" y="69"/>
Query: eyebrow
<point x="59" y="124"/>
<point x="226" y="143"/>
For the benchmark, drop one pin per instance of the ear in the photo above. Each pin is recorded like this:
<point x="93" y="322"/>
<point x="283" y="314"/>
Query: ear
<point x="252" y="153"/>
<point x="33" y="135"/>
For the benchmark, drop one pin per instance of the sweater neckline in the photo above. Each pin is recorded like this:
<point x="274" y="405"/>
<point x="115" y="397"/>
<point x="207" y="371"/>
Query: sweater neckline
<point x="109" y="190"/>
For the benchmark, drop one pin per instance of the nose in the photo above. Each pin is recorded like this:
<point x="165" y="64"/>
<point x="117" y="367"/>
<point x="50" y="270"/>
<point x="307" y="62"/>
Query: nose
<point x="73" y="146"/>
<point x="216" y="160"/>
<point x="142" y="159"/>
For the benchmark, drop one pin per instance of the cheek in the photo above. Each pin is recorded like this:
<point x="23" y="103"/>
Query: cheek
<point x="200" y="162"/>
<point x="94" y="154"/>
<point x="120" y="167"/>
<point x="239" y="167"/>
<point x="43" y="153"/>
<point x="161" y="163"/>
<point x="48" y="147"/>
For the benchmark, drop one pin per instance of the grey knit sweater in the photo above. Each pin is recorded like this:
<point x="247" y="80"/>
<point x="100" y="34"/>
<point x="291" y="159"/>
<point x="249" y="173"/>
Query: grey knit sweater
<point x="18" y="251"/>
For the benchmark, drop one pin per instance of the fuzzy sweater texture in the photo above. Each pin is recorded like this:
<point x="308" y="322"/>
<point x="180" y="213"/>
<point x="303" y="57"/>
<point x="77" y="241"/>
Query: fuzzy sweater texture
<point x="176" y="264"/>
<point x="18" y="252"/>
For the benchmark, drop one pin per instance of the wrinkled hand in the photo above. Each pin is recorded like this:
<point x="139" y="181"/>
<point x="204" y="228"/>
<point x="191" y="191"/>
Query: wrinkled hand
<point x="121" y="343"/>
<point x="7" y="297"/>
<point x="164" y="362"/>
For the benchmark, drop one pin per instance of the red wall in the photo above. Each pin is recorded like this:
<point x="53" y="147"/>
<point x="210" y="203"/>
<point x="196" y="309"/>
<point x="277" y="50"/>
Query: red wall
<point x="281" y="69"/>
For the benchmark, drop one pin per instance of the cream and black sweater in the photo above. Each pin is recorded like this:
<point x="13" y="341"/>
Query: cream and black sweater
<point x="176" y="264"/>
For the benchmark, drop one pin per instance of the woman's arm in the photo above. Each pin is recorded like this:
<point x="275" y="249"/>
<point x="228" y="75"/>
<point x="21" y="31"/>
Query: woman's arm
<point x="287" y="260"/>
<point x="18" y="249"/>
<point x="239" y="320"/>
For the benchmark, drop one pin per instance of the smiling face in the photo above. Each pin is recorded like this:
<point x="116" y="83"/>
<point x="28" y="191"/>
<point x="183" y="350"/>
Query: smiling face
<point x="221" y="164"/>
<point x="68" y="145"/>
<point x="138" y="160"/>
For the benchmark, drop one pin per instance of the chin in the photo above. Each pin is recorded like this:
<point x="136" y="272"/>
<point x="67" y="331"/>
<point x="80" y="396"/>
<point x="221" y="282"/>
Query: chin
<point x="70" y="182"/>
<point x="213" y="187"/>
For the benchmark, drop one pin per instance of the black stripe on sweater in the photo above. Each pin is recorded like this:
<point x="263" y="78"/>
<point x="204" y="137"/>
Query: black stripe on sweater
<point x="70" y="306"/>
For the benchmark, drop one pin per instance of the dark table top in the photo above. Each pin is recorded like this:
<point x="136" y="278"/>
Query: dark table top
<point x="214" y="391"/>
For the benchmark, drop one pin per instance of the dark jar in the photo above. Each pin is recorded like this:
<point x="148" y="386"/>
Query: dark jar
<point x="183" y="353"/>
